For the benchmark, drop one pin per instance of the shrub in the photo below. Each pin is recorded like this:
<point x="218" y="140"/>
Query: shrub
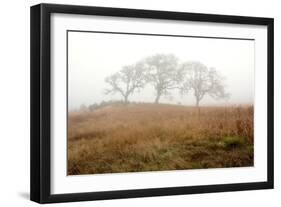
<point x="233" y="142"/>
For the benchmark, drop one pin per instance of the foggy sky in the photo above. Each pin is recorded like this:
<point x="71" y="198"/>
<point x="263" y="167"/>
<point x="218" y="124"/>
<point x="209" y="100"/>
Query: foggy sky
<point x="94" y="56"/>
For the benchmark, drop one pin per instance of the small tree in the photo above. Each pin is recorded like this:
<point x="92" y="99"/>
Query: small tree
<point x="126" y="81"/>
<point x="161" y="72"/>
<point x="93" y="106"/>
<point x="202" y="81"/>
<point x="83" y="108"/>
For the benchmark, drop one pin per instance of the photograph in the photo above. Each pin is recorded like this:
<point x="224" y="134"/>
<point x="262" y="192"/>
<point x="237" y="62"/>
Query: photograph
<point x="131" y="103"/>
<point x="158" y="102"/>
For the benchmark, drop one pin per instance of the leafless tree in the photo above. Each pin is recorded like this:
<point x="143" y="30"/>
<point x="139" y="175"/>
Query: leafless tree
<point x="126" y="81"/>
<point x="83" y="108"/>
<point x="202" y="81"/>
<point x="161" y="72"/>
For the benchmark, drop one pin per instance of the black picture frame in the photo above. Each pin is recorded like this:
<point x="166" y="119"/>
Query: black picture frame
<point x="41" y="102"/>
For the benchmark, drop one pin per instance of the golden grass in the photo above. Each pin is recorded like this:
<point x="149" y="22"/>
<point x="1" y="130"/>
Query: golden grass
<point x="149" y="137"/>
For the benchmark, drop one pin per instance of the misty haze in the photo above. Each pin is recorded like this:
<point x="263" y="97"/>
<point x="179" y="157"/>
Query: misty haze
<point x="94" y="56"/>
<point x="145" y="103"/>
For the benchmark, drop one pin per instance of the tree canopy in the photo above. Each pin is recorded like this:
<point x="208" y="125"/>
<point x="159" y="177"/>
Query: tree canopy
<point x="126" y="81"/>
<point x="164" y="73"/>
<point x="202" y="81"/>
<point x="161" y="71"/>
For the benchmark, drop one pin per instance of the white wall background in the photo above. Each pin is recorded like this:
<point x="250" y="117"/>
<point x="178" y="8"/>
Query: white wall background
<point x="14" y="105"/>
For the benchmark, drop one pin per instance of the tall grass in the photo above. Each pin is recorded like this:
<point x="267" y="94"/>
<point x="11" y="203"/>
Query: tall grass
<point x="146" y="137"/>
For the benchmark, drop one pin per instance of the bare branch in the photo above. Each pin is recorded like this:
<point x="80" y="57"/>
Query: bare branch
<point x="161" y="72"/>
<point x="203" y="81"/>
<point x="126" y="81"/>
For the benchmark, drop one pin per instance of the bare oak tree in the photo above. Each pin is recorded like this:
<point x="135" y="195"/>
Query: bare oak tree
<point x="161" y="72"/>
<point x="202" y="81"/>
<point x="126" y="81"/>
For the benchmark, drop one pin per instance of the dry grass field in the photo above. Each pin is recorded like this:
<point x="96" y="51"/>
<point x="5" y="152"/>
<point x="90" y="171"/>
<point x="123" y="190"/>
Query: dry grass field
<point x="153" y="137"/>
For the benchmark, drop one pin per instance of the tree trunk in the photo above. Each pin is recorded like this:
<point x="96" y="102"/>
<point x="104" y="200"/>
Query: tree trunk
<point x="157" y="98"/>
<point x="197" y="102"/>
<point x="126" y="99"/>
<point x="198" y="107"/>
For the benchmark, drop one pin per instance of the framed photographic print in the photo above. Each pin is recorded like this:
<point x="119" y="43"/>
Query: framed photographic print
<point x="133" y="103"/>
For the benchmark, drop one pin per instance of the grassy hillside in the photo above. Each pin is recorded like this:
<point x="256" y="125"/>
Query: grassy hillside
<point x="145" y="137"/>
